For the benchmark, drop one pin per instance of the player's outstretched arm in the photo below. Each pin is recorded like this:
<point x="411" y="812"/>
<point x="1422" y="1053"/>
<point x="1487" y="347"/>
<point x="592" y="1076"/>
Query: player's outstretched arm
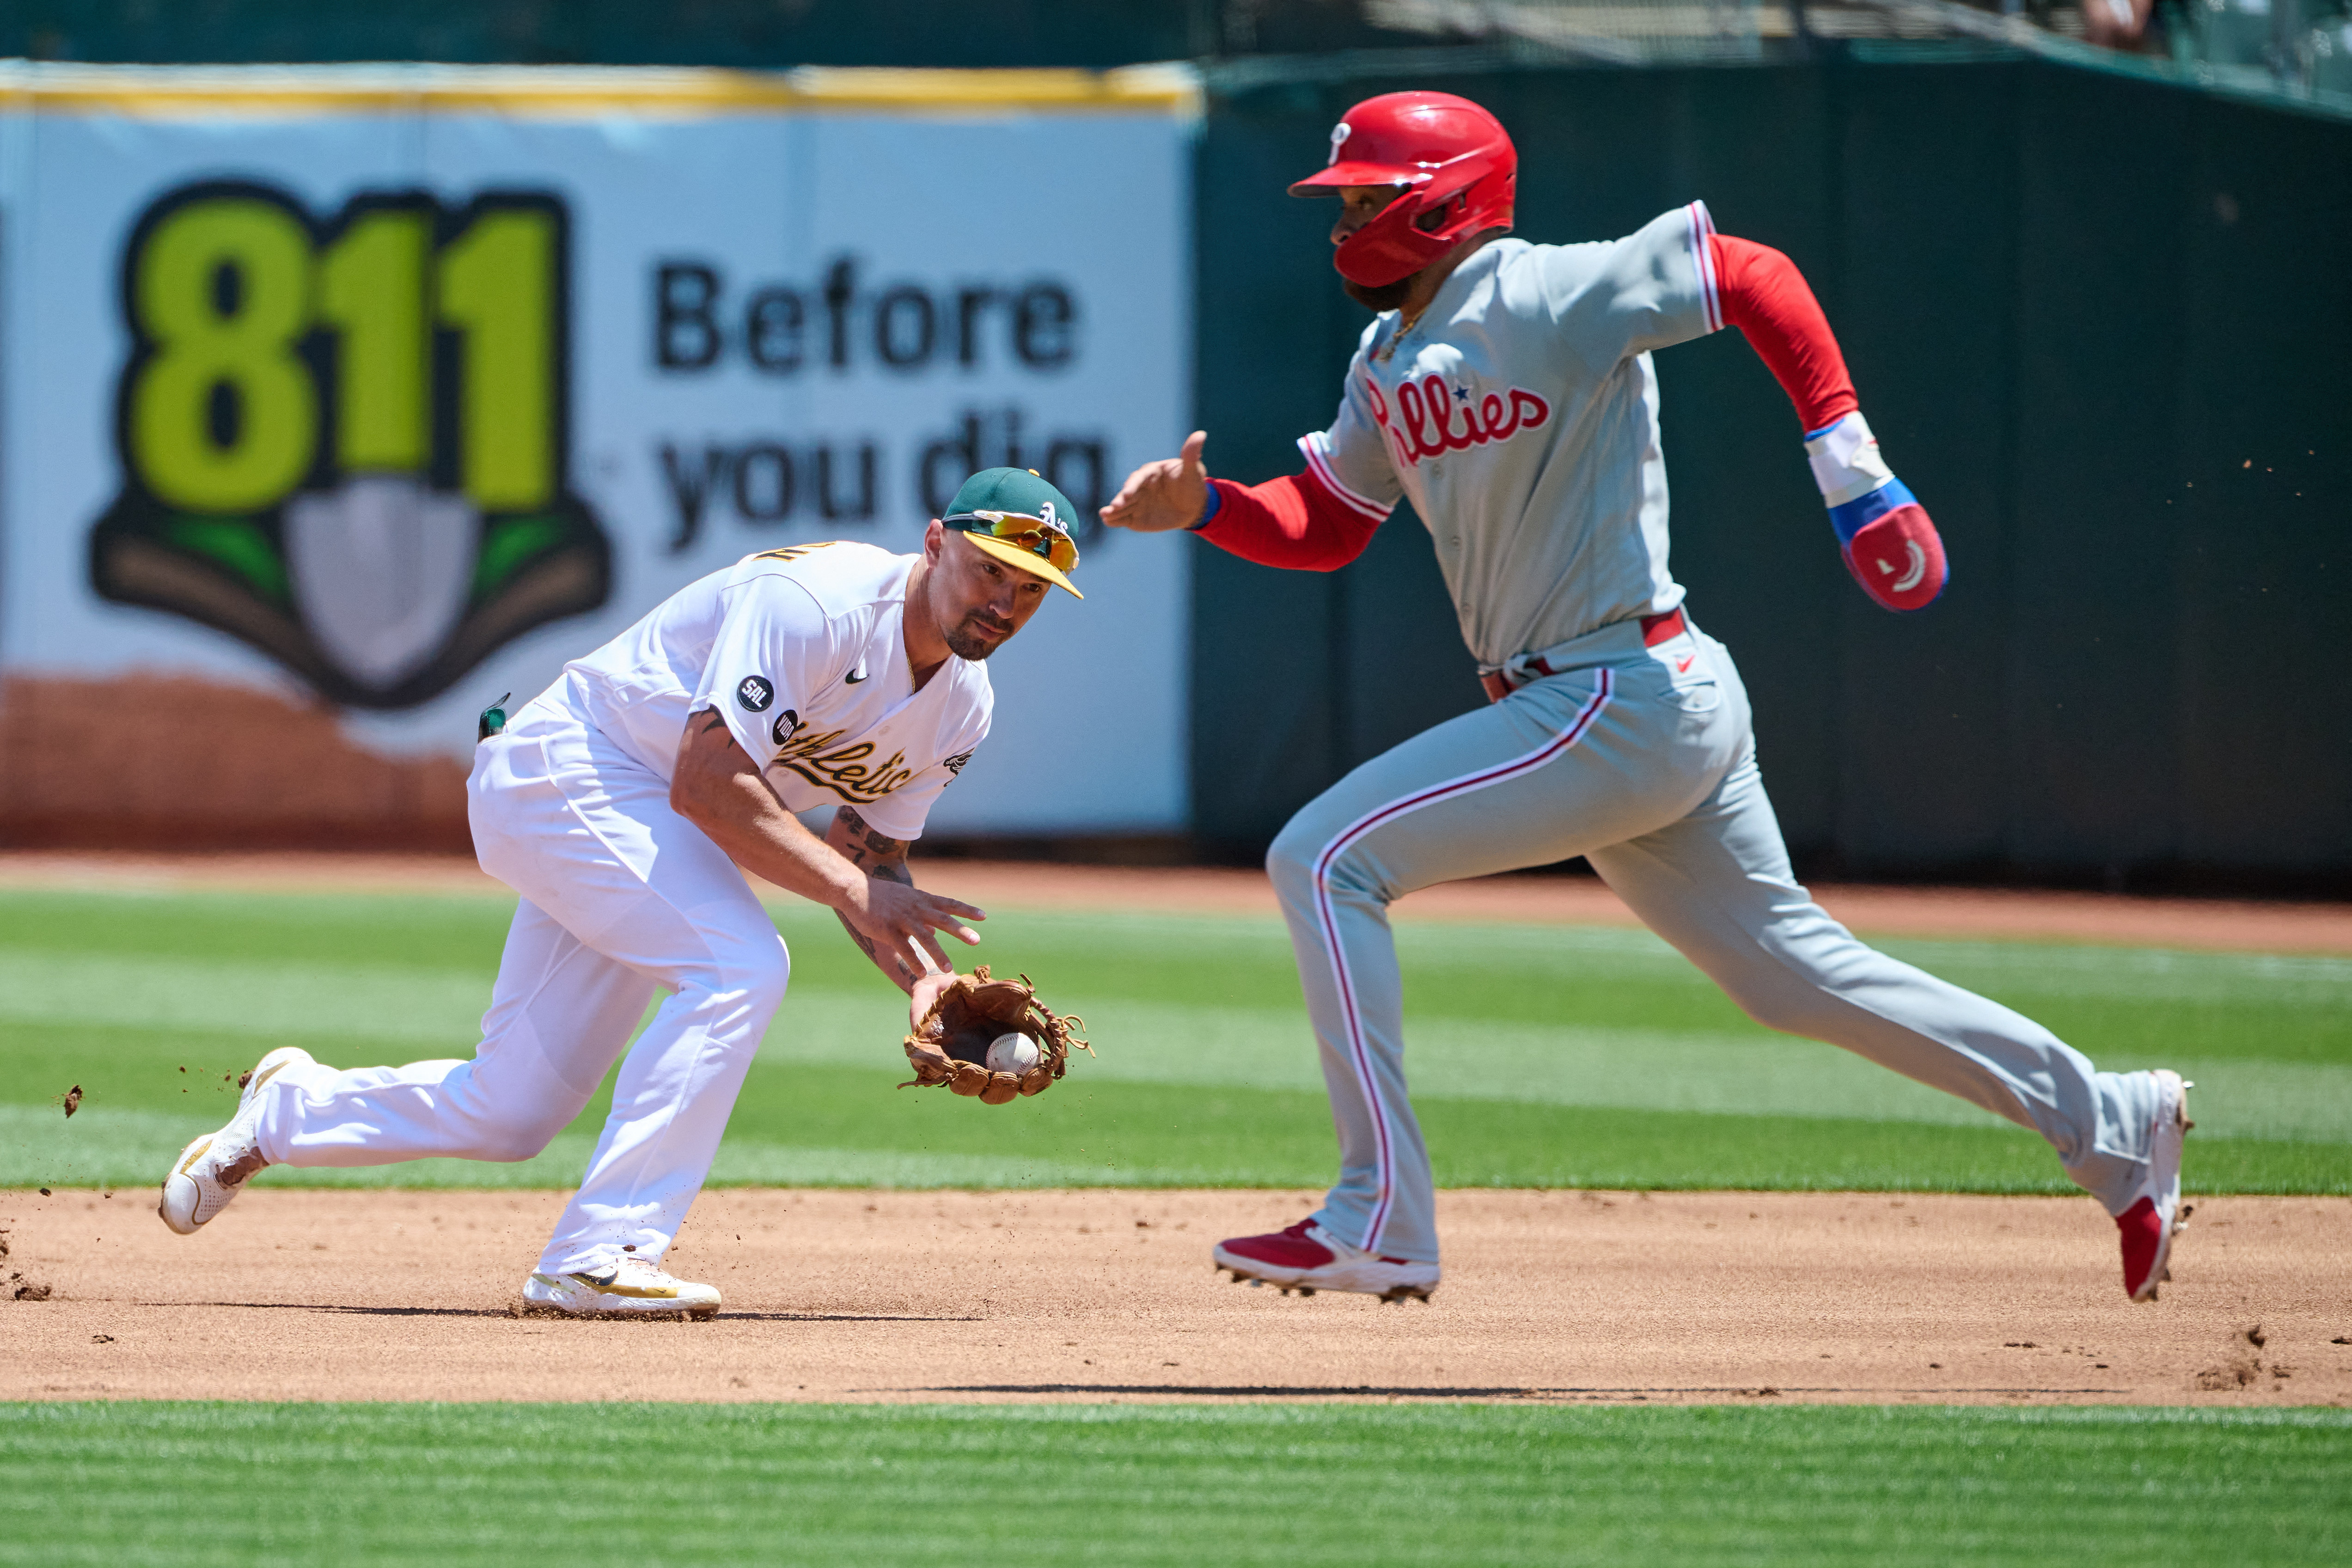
<point x="1300" y="521"/>
<point x="717" y="789"/>
<point x="1164" y="495"/>
<point x="1885" y="535"/>
<point x="879" y="855"/>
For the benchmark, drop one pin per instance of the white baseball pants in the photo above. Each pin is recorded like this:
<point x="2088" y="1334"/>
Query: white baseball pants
<point x="622" y="897"/>
<point x="1641" y="761"/>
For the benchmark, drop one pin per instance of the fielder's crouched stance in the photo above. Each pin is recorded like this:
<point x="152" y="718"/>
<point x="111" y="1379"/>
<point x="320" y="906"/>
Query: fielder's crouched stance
<point x="620" y="803"/>
<point x="1506" y="389"/>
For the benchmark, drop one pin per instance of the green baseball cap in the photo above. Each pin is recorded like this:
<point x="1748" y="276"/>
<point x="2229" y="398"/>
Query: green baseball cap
<point x="1022" y="520"/>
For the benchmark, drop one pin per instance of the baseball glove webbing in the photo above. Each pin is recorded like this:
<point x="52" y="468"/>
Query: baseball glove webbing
<point x="950" y="1045"/>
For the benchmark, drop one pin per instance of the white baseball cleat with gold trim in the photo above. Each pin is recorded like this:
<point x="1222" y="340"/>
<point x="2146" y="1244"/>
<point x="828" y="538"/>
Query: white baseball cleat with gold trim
<point x="628" y="1286"/>
<point x="214" y="1168"/>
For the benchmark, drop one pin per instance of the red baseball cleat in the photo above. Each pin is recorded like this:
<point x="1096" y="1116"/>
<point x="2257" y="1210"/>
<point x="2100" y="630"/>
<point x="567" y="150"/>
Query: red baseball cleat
<point x="2149" y="1225"/>
<point x="1307" y="1258"/>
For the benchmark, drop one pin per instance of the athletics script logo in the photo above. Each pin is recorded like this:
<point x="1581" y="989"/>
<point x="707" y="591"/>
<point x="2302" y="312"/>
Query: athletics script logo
<point x="1433" y="419"/>
<point x="343" y="439"/>
<point x="849" y="771"/>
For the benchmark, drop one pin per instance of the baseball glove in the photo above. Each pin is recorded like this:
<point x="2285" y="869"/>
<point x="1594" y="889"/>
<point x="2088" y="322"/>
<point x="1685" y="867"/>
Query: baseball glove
<point x="950" y="1045"/>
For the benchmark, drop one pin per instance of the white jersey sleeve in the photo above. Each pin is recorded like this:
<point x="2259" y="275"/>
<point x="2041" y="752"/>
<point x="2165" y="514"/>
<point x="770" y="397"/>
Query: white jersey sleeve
<point x="1351" y="458"/>
<point x="1651" y="289"/>
<point x="776" y="649"/>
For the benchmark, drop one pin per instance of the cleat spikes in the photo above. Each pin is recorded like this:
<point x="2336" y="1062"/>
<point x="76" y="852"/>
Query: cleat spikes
<point x="1307" y="1261"/>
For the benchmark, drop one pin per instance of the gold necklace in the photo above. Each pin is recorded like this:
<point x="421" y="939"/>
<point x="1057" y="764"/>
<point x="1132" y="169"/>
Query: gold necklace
<point x="1404" y="325"/>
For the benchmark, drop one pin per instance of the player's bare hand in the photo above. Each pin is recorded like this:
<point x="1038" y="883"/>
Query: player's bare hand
<point x="1169" y="493"/>
<point x="899" y="921"/>
<point x="925" y="992"/>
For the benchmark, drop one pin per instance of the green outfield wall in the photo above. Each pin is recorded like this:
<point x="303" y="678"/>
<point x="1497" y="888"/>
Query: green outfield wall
<point x="2103" y="329"/>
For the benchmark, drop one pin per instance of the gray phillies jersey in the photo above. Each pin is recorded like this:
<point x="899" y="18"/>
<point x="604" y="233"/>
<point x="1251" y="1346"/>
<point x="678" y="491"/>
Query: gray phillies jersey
<point x="1520" y="417"/>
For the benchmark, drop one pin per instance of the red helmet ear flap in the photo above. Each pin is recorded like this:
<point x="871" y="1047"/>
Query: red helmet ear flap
<point x="1413" y="231"/>
<point x="1393" y="246"/>
<point x="1456" y="161"/>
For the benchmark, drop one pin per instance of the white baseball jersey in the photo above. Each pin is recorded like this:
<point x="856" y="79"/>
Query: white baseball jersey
<point x="804" y="651"/>
<point x="1520" y="417"/>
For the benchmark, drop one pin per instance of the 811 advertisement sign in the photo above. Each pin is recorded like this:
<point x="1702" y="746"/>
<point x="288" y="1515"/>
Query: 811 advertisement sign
<point x="351" y="399"/>
<point x="344" y="437"/>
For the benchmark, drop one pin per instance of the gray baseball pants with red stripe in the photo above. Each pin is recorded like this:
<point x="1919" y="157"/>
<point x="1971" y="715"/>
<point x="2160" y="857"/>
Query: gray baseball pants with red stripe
<point x="1641" y="760"/>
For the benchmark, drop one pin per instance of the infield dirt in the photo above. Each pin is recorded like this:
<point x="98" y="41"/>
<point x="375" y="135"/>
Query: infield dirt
<point x="1109" y="1296"/>
<point x="1103" y="1295"/>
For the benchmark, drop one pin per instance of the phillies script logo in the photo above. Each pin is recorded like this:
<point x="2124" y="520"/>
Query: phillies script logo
<point x="1433" y="419"/>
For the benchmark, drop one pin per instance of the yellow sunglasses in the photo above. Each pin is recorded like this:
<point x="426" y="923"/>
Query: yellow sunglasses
<point x="1031" y="536"/>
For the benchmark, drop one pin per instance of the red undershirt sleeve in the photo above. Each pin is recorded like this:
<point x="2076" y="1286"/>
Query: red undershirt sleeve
<point x="1293" y="521"/>
<point x="1762" y="293"/>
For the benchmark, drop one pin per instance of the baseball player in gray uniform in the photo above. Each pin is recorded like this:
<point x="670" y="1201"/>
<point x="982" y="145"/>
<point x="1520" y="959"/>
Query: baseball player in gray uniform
<point x="625" y="803"/>
<point x="1506" y="389"/>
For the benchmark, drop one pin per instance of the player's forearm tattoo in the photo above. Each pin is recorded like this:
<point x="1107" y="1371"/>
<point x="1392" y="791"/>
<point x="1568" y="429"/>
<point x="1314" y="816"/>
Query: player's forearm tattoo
<point x="880" y="856"/>
<point x="870" y="848"/>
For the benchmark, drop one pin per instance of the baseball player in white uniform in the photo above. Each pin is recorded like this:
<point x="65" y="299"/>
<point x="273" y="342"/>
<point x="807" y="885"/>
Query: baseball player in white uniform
<point x="625" y="803"/>
<point x="1507" y="389"/>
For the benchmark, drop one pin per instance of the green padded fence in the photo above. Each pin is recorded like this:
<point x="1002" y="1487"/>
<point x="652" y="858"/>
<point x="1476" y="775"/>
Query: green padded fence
<point x="2099" y="325"/>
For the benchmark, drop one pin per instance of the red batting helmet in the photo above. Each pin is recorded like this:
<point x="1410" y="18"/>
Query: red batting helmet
<point x="1456" y="160"/>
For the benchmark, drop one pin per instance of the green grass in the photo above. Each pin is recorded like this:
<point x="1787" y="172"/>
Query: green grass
<point x="232" y="1484"/>
<point x="1569" y="1056"/>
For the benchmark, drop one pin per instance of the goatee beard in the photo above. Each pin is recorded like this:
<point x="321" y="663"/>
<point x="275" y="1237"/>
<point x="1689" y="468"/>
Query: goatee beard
<point x="1386" y="296"/>
<point x="966" y="643"/>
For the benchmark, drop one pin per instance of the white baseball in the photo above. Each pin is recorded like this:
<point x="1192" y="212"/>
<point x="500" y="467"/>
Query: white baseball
<point x="1013" y="1054"/>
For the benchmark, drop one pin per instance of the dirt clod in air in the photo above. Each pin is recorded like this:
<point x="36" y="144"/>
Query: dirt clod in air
<point x="44" y="1192"/>
<point x="31" y="1290"/>
<point x="102" y="1339"/>
<point x="73" y="1100"/>
<point x="2243" y="1366"/>
<point x="2339" y="1338"/>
